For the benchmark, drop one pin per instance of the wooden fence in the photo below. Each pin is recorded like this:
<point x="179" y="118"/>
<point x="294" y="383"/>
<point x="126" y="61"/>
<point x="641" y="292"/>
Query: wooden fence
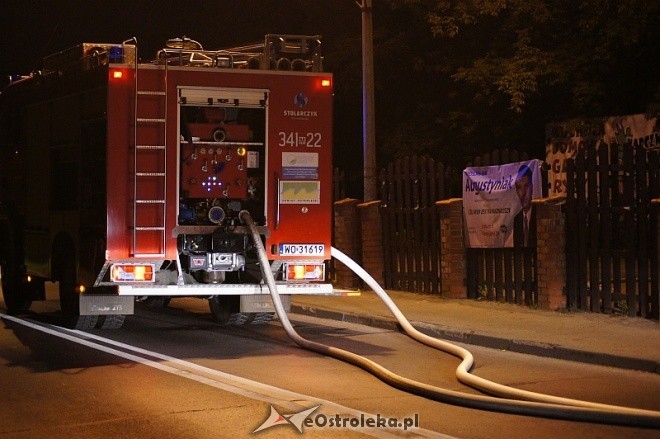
<point x="338" y="184"/>
<point x="409" y="189"/>
<point x="612" y="256"/>
<point x="611" y="232"/>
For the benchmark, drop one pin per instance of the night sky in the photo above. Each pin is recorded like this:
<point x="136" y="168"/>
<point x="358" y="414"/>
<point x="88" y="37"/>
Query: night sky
<point x="32" y="29"/>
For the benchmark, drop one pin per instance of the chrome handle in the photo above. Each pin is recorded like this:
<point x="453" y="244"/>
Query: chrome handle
<point x="278" y="200"/>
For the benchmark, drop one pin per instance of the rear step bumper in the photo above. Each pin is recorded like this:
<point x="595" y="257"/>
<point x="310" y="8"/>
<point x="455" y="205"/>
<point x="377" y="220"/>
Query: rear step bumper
<point x="224" y="289"/>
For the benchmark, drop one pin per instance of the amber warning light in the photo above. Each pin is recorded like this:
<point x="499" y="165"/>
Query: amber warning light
<point x="325" y="83"/>
<point x="312" y="271"/>
<point x="117" y="74"/>
<point x="132" y="273"/>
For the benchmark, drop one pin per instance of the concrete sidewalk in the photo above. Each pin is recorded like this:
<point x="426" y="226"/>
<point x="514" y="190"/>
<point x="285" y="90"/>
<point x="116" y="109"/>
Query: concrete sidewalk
<point x="617" y="341"/>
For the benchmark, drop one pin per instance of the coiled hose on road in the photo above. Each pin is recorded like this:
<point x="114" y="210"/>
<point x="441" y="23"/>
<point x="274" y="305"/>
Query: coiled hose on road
<point x="511" y="400"/>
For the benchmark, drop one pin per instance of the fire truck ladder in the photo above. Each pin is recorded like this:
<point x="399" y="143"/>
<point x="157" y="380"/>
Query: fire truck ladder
<point x="149" y="206"/>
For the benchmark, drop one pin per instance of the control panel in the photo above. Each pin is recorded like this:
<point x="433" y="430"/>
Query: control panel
<point x="214" y="170"/>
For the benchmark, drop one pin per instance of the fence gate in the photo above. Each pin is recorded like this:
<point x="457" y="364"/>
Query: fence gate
<point x="612" y="232"/>
<point x="411" y="244"/>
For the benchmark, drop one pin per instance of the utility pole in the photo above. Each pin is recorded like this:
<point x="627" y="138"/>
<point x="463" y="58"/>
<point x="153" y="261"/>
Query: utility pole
<point x="368" y="114"/>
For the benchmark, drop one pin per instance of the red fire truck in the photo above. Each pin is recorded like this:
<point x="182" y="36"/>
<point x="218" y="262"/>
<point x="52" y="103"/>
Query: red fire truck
<point x="123" y="180"/>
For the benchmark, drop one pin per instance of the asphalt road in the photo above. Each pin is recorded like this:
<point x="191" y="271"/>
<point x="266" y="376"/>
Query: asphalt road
<point x="174" y="373"/>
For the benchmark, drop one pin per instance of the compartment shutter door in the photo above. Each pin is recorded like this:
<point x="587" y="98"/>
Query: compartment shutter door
<point x="240" y="97"/>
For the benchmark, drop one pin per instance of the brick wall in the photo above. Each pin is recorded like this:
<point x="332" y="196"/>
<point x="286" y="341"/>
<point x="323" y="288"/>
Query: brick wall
<point x="358" y="234"/>
<point x="551" y="253"/>
<point x="372" y="240"/>
<point x="452" y="249"/>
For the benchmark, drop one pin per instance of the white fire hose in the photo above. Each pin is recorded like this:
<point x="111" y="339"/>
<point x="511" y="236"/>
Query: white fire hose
<point x="511" y="400"/>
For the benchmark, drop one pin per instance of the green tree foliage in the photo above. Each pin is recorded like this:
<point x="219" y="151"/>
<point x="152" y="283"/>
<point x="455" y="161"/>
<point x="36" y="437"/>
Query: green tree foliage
<point x="487" y="74"/>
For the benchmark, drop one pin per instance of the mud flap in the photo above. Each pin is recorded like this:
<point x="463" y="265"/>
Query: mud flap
<point x="263" y="303"/>
<point x="106" y="305"/>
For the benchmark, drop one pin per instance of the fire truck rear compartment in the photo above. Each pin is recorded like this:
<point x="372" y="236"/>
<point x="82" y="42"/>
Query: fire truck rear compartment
<point x="149" y="165"/>
<point x="219" y="178"/>
<point x="222" y="171"/>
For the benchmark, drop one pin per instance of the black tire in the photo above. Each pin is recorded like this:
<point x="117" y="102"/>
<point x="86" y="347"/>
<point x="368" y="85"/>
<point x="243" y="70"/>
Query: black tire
<point x="241" y="318"/>
<point x="157" y="301"/>
<point x="226" y="311"/>
<point x="110" y="321"/>
<point x="70" y="301"/>
<point x="261" y="318"/>
<point x="14" y="295"/>
<point x="222" y="308"/>
<point x="12" y="292"/>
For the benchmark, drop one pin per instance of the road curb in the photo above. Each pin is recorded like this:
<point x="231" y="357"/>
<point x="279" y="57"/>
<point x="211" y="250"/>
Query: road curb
<point x="548" y="350"/>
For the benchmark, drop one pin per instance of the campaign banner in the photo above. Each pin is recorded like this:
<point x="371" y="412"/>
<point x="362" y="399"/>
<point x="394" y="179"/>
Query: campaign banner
<point x="497" y="200"/>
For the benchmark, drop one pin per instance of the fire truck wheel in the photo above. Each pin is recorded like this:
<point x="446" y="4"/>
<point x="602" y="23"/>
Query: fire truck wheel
<point x="225" y="311"/>
<point x="261" y="318"/>
<point x="81" y="323"/>
<point x="219" y="135"/>
<point x="222" y="308"/>
<point x="110" y="321"/>
<point x="241" y="318"/>
<point x="12" y="292"/>
<point x="157" y="301"/>
<point x="70" y="302"/>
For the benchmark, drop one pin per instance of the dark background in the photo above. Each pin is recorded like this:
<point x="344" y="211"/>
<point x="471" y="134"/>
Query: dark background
<point x="421" y="108"/>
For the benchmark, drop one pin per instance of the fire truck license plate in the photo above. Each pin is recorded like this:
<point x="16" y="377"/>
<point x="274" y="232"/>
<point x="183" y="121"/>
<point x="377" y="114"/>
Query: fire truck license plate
<point x="302" y="249"/>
